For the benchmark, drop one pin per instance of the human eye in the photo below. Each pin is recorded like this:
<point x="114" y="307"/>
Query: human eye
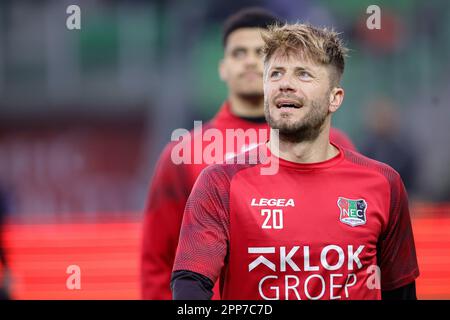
<point x="305" y="75"/>
<point x="239" y="53"/>
<point x="260" y="52"/>
<point x="275" y="74"/>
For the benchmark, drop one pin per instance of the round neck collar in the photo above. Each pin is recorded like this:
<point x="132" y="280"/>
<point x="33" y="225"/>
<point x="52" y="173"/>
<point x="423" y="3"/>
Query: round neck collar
<point x="308" y="166"/>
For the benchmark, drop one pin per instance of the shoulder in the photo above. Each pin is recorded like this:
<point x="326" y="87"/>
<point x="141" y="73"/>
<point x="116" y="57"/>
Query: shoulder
<point x="242" y="161"/>
<point x="222" y="173"/>
<point x="377" y="167"/>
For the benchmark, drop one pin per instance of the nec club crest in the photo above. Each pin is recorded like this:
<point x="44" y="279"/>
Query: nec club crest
<point x="353" y="212"/>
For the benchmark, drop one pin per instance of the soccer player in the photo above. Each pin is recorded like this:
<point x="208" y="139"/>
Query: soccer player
<point x="330" y="224"/>
<point x="241" y="69"/>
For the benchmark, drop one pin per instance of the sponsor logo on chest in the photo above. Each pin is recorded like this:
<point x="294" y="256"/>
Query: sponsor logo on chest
<point x="265" y="202"/>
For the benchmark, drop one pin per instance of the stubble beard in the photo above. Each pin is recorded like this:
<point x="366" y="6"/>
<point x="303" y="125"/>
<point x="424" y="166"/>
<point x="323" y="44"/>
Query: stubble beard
<point x="306" y="129"/>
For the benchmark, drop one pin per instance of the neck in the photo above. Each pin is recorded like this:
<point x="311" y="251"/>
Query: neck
<point x="247" y="107"/>
<point x="318" y="150"/>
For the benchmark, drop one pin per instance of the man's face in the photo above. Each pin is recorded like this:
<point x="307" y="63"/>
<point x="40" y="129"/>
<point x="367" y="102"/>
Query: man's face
<point x="297" y="96"/>
<point x="242" y="66"/>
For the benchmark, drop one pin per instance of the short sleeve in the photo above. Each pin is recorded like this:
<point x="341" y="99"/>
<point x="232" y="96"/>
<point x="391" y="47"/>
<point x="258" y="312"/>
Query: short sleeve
<point x="397" y="252"/>
<point x="204" y="235"/>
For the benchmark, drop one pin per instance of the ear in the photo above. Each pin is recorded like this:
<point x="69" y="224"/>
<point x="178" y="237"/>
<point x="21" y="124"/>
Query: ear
<point x="222" y="71"/>
<point x="336" y="98"/>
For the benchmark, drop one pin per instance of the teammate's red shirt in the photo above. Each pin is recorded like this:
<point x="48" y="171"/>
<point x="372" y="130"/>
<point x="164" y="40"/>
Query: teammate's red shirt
<point x="169" y="191"/>
<point x="311" y="231"/>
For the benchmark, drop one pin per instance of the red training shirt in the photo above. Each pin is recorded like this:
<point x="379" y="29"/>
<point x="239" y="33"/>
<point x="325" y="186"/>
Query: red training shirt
<point x="311" y="231"/>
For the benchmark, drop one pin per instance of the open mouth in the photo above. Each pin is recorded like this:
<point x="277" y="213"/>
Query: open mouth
<point x="291" y="105"/>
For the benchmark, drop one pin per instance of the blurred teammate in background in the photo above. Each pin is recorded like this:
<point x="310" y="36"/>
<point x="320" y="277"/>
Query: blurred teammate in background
<point x="241" y="69"/>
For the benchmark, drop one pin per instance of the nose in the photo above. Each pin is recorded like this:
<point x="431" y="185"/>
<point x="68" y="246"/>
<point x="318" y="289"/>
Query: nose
<point x="252" y="60"/>
<point x="286" y="85"/>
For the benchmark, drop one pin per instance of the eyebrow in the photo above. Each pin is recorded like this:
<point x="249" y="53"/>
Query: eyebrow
<point x="246" y="48"/>
<point x="296" y="68"/>
<point x="238" y="48"/>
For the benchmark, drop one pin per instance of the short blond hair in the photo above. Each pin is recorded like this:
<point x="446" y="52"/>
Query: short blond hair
<point x="321" y="45"/>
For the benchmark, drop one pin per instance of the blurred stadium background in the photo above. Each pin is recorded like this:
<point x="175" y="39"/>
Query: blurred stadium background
<point x="85" y="113"/>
